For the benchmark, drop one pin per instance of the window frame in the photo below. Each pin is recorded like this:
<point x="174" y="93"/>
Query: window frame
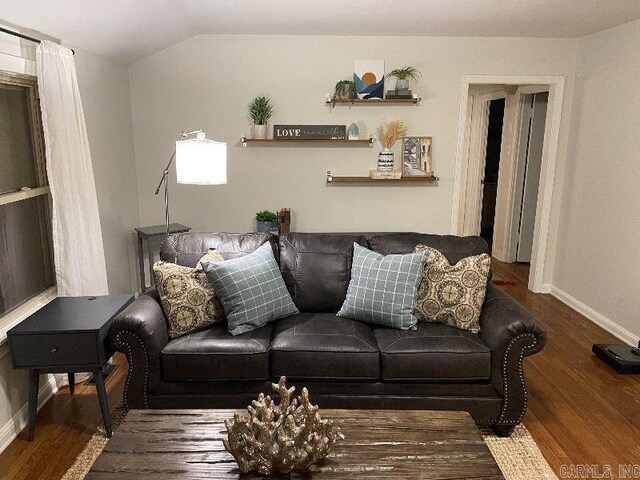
<point x="21" y="311"/>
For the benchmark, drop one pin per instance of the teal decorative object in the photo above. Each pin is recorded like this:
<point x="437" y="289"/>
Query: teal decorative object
<point x="354" y="132"/>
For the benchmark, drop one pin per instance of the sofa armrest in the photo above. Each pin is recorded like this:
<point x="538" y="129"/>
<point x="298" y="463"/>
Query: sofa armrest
<point x="511" y="333"/>
<point x="140" y="332"/>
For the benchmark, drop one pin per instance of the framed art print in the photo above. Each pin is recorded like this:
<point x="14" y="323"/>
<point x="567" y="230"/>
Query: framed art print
<point x="368" y="75"/>
<point x="416" y="156"/>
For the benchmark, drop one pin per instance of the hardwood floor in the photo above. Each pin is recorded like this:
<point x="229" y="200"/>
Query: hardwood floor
<point x="63" y="427"/>
<point x="580" y="411"/>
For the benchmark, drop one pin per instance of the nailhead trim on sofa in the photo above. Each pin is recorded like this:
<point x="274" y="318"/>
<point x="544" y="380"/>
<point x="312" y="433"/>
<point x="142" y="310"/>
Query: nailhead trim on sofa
<point x="505" y="383"/>
<point x="129" y="353"/>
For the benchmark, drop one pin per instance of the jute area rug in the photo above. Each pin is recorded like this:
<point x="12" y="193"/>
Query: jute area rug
<point x="518" y="456"/>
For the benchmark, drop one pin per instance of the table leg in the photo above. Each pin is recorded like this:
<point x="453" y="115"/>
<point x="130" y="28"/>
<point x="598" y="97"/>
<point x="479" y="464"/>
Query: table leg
<point x="151" y="279"/>
<point x="143" y="283"/>
<point x="34" y="384"/>
<point x="72" y="382"/>
<point x="98" y="376"/>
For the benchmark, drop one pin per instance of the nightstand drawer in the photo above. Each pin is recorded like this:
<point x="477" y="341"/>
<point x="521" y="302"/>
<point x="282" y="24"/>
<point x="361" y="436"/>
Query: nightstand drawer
<point x="42" y="350"/>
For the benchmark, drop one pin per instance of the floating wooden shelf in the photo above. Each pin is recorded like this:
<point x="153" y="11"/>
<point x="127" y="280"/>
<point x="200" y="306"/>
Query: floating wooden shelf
<point x="380" y="101"/>
<point x="316" y="142"/>
<point x="416" y="179"/>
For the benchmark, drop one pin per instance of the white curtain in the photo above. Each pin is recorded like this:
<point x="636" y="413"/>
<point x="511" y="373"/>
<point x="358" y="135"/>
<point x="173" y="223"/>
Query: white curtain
<point x="77" y="237"/>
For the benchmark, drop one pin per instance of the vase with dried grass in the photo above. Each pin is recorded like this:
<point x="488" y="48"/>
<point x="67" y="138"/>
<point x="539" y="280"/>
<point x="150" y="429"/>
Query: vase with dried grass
<point x="389" y="132"/>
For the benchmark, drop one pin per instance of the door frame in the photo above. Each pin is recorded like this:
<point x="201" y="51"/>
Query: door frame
<point x="463" y="174"/>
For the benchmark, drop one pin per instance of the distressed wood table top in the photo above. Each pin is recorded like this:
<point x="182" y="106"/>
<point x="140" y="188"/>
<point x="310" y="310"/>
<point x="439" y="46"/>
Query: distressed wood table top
<point x="378" y="444"/>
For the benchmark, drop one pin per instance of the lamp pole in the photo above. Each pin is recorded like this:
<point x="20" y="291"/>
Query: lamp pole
<point x="165" y="174"/>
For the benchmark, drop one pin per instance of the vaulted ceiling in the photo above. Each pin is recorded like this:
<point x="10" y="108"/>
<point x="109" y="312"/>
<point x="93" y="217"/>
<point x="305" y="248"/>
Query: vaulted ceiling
<point x="127" y="30"/>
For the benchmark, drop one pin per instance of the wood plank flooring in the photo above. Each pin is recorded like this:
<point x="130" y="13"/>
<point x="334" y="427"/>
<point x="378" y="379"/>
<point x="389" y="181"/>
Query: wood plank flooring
<point x="580" y="411"/>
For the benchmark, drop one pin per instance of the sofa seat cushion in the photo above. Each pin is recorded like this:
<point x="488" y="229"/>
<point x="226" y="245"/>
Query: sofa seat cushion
<point x="432" y="353"/>
<point x="215" y="354"/>
<point x="321" y="346"/>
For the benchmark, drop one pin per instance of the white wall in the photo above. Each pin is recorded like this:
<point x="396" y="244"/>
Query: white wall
<point x="207" y="81"/>
<point x="598" y="260"/>
<point x="104" y="88"/>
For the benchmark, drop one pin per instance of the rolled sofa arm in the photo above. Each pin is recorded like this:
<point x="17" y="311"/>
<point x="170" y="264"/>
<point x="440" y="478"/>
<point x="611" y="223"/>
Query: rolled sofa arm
<point x="511" y="333"/>
<point x="140" y="332"/>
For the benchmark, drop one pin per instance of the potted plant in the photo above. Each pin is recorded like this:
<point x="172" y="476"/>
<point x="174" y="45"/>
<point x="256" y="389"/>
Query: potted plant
<point x="403" y="75"/>
<point x="266" y="221"/>
<point x="260" y="111"/>
<point x="344" y="89"/>
<point x="388" y="134"/>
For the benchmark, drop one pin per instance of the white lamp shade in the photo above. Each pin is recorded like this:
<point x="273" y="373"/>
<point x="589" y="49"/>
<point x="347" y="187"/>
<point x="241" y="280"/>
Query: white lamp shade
<point x="201" y="162"/>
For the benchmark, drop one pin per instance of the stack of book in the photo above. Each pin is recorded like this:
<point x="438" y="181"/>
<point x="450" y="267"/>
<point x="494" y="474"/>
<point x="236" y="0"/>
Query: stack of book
<point x="382" y="175"/>
<point x="399" y="94"/>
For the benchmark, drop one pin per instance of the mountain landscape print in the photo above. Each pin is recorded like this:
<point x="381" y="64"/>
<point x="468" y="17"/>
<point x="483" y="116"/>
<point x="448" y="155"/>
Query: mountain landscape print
<point x="368" y="75"/>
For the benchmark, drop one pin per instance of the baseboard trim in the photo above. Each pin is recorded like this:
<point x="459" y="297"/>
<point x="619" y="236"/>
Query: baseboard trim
<point x="13" y="427"/>
<point x="596" y="317"/>
<point x="545" y="288"/>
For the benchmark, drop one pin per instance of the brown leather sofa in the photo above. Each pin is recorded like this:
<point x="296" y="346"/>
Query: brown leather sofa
<point x="344" y="363"/>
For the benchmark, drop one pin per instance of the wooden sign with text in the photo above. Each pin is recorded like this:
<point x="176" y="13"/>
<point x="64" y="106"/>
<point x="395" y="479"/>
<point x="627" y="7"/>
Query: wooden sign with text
<point x="310" y="132"/>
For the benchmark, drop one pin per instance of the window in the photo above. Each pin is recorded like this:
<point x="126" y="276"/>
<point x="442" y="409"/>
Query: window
<point x="26" y="262"/>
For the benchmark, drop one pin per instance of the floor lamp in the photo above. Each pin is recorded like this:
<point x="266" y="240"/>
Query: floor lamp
<point x="199" y="161"/>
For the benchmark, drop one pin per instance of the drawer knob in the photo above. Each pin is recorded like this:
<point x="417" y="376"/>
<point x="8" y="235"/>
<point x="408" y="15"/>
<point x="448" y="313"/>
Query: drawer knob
<point x="54" y="349"/>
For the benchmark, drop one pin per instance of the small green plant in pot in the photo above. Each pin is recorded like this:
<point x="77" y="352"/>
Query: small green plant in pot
<point x="266" y="221"/>
<point x="403" y="75"/>
<point x="344" y="89"/>
<point x="260" y="111"/>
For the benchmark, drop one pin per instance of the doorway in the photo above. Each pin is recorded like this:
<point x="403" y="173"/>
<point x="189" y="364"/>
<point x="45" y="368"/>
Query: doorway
<point x="520" y="215"/>
<point x="491" y="169"/>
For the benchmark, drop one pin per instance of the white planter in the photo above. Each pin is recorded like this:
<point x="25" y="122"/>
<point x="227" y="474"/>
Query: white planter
<point x="402" y="85"/>
<point x="385" y="160"/>
<point x="259" y="132"/>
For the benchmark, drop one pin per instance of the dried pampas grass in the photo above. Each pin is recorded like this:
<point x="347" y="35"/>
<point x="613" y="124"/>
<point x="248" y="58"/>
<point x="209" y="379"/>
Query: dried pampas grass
<point x="389" y="132"/>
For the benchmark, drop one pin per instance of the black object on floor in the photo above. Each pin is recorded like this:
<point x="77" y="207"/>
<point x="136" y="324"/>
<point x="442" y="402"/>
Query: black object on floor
<point x="622" y="358"/>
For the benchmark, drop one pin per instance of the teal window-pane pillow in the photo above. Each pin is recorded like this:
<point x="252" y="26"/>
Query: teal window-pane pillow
<point x="383" y="289"/>
<point x="251" y="290"/>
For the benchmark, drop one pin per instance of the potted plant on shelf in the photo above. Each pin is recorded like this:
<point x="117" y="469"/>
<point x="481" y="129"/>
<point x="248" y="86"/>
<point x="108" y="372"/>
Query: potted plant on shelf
<point x="403" y="75"/>
<point x="388" y="134"/>
<point x="260" y="111"/>
<point x="344" y="89"/>
<point x="266" y="221"/>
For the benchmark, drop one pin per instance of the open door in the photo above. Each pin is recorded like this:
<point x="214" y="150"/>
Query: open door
<point x="528" y="167"/>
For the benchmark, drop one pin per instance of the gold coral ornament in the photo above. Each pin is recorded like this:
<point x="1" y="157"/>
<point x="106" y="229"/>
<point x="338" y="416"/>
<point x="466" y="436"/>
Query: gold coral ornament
<point x="280" y="438"/>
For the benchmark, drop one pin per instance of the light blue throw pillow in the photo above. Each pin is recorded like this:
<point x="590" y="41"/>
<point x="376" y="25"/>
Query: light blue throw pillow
<point x="383" y="289"/>
<point x="251" y="290"/>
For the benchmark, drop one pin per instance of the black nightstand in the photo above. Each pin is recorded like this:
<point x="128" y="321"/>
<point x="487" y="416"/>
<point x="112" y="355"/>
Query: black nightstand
<point x="68" y="335"/>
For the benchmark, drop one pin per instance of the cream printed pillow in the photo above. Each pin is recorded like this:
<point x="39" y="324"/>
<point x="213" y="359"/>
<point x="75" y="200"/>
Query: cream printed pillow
<point x="453" y="294"/>
<point x="187" y="297"/>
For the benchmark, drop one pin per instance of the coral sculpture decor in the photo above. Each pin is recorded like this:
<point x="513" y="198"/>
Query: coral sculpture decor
<point x="280" y="438"/>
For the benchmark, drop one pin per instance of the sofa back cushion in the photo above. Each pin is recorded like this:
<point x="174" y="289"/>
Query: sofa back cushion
<point x="452" y="247"/>
<point x="187" y="248"/>
<point x="316" y="268"/>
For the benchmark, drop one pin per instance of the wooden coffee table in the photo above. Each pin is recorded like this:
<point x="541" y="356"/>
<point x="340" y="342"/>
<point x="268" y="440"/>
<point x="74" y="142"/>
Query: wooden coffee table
<point x="378" y="444"/>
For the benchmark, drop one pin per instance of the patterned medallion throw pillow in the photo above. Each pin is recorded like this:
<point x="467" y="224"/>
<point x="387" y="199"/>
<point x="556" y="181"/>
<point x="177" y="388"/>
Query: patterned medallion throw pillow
<point x="382" y="289"/>
<point x="251" y="290"/>
<point x="186" y="296"/>
<point x="453" y="294"/>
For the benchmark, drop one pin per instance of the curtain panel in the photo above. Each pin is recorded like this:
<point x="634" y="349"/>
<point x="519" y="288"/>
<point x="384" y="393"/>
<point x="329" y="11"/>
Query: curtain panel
<point x="77" y="236"/>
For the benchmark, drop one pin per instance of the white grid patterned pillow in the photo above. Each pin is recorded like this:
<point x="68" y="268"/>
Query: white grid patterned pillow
<point x="251" y="290"/>
<point x="383" y="289"/>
